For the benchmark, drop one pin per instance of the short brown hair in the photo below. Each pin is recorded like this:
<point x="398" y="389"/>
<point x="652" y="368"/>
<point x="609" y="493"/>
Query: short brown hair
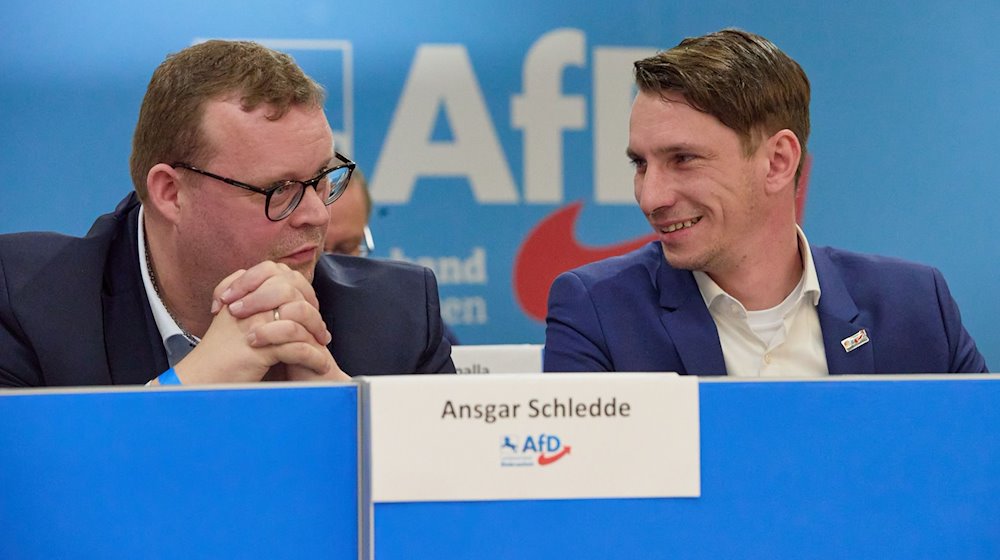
<point x="740" y="78"/>
<point x="169" y="123"/>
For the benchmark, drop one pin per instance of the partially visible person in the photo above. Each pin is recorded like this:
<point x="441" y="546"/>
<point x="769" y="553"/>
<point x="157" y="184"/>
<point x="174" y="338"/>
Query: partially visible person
<point x="349" y="233"/>
<point x="717" y="136"/>
<point x="210" y="271"/>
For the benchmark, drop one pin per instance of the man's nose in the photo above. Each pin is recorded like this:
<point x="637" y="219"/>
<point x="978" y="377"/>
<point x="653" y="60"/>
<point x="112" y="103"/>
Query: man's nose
<point x="311" y="210"/>
<point x="655" y="189"/>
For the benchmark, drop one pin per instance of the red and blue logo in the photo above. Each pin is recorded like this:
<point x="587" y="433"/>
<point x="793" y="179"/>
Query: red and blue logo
<point x="532" y="450"/>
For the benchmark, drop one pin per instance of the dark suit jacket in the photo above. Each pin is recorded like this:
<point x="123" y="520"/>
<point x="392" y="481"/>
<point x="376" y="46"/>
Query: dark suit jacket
<point x="73" y="311"/>
<point x="637" y="313"/>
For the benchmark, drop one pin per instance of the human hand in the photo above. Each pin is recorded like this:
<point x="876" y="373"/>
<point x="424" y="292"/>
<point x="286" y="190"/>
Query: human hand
<point x="276" y="331"/>
<point x="225" y="355"/>
<point x="303" y="358"/>
<point x="269" y="286"/>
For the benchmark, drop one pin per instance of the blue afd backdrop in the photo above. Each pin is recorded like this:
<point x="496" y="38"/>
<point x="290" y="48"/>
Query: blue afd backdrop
<point x="478" y="121"/>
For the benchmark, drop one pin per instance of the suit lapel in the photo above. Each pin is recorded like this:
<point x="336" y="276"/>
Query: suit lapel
<point x="688" y="323"/>
<point x="839" y="319"/>
<point x="132" y="342"/>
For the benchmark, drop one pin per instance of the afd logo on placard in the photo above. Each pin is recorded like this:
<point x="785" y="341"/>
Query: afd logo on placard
<point x="540" y="450"/>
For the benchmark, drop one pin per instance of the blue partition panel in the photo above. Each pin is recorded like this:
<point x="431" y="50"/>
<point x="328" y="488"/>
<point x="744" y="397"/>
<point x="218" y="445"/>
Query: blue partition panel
<point x="223" y="473"/>
<point x="838" y="469"/>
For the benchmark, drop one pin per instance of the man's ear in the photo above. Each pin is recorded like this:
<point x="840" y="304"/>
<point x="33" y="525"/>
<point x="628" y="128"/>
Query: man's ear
<point x="784" y="153"/>
<point x="163" y="191"/>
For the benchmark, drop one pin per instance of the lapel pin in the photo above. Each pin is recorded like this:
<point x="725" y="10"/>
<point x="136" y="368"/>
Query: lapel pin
<point x="857" y="339"/>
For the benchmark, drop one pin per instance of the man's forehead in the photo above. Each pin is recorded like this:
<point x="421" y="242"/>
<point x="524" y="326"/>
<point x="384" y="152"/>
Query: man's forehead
<point x="668" y="123"/>
<point x="227" y="126"/>
<point x="232" y="108"/>
<point x="670" y="97"/>
<point x="653" y="114"/>
<point x="662" y="96"/>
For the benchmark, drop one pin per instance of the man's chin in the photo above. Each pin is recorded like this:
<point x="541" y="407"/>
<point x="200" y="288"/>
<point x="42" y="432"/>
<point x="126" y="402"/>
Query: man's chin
<point x="309" y="271"/>
<point x="682" y="261"/>
<point x="304" y="264"/>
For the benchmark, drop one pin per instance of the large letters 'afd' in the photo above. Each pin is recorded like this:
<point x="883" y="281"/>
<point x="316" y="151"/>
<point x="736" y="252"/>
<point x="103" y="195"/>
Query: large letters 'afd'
<point x="442" y="80"/>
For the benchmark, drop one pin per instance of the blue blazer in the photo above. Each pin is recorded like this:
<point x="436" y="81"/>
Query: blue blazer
<point x="73" y="311"/>
<point x="637" y="313"/>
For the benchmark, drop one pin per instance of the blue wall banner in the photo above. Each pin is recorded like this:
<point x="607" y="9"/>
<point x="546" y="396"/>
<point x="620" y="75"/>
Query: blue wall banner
<point x="494" y="134"/>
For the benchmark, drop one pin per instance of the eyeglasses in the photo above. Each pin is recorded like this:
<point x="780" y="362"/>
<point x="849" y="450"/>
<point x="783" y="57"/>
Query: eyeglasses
<point x="284" y="196"/>
<point x="356" y="247"/>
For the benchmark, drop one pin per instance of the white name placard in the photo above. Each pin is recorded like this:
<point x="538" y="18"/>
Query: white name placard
<point x="497" y="358"/>
<point x="509" y="437"/>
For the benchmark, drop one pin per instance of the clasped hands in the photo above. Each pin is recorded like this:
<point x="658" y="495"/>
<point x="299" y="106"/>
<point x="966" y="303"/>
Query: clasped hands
<point x="266" y="326"/>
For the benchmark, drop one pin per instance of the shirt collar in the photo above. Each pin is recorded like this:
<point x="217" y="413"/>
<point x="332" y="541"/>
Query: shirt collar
<point x="710" y="291"/>
<point x="164" y="322"/>
<point x="810" y="288"/>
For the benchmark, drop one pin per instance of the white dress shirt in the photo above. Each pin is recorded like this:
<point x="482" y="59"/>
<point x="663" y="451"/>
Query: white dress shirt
<point x="784" y="341"/>
<point x="165" y="322"/>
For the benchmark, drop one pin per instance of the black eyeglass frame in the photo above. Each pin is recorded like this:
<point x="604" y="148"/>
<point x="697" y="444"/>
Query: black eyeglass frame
<point x="269" y="192"/>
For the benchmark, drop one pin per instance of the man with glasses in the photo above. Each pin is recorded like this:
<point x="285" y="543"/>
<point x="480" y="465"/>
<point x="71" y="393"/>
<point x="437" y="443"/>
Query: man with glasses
<point x="210" y="271"/>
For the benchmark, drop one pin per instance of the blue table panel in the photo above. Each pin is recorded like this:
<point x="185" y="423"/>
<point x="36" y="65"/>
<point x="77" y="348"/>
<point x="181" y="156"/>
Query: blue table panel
<point x="225" y="473"/>
<point x="848" y="469"/>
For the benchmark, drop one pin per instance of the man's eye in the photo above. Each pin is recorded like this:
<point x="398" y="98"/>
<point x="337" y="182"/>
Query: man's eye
<point x="282" y="188"/>
<point x="638" y="164"/>
<point x="684" y="158"/>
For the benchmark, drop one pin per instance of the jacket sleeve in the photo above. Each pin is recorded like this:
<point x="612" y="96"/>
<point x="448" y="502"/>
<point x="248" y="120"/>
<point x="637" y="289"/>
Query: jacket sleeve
<point x="19" y="366"/>
<point x="574" y="338"/>
<point x="965" y="356"/>
<point x="437" y="353"/>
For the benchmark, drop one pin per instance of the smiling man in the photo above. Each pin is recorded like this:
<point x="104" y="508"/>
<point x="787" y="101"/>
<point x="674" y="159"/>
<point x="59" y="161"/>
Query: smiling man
<point x="211" y="271"/>
<point x="717" y="137"/>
